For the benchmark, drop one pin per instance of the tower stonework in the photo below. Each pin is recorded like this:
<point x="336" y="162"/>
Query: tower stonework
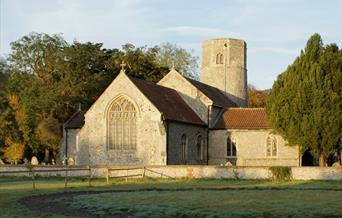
<point x="224" y="66"/>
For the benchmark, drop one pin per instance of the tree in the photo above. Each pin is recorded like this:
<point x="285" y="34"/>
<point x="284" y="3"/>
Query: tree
<point x="305" y="103"/>
<point x="14" y="151"/>
<point x="183" y="60"/>
<point x="4" y="74"/>
<point x="256" y="98"/>
<point x="50" y="78"/>
<point x="49" y="132"/>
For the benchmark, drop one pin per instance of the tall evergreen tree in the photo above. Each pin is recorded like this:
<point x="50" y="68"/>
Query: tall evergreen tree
<point x="305" y="103"/>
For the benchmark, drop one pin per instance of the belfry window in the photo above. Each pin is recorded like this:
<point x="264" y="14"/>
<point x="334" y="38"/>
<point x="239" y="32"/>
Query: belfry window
<point x="271" y="146"/>
<point x="122" y="125"/>
<point x="219" y="58"/>
<point x="231" y="148"/>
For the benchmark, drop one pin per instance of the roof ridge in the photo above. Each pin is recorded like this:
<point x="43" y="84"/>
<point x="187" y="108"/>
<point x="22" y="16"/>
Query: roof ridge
<point x="150" y="83"/>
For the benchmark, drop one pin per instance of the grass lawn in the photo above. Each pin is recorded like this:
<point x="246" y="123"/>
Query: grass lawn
<point x="177" y="198"/>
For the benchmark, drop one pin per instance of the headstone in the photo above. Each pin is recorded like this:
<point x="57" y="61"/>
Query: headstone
<point x="1" y="162"/>
<point x="53" y="162"/>
<point x="71" y="161"/>
<point x="228" y="164"/>
<point x="64" y="160"/>
<point x="34" y="160"/>
<point x="336" y="164"/>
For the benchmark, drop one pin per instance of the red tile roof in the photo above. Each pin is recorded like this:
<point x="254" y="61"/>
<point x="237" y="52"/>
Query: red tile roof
<point x="168" y="102"/>
<point x="243" y="118"/>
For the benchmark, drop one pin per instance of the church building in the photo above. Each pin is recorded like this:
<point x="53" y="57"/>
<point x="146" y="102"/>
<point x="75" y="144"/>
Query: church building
<point x="179" y="121"/>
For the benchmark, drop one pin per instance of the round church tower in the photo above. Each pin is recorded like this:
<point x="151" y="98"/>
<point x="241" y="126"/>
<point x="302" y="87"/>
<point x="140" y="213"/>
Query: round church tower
<point x="224" y="64"/>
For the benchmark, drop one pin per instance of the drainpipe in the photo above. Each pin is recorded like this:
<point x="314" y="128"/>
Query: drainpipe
<point x="225" y="69"/>
<point x="208" y="134"/>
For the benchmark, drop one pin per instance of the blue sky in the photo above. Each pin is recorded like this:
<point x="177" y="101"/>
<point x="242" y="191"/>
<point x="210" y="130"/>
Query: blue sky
<point x="275" y="31"/>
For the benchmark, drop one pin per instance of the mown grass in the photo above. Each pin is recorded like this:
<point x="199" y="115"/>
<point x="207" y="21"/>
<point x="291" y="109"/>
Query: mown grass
<point x="190" y="198"/>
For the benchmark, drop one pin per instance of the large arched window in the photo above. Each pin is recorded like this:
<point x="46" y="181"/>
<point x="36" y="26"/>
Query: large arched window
<point x="219" y="58"/>
<point x="122" y="125"/>
<point x="231" y="148"/>
<point x="183" y="145"/>
<point x="271" y="146"/>
<point x="199" y="144"/>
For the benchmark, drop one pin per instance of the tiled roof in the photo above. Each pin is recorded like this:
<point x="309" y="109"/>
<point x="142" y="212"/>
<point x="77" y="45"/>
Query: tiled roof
<point x="218" y="98"/>
<point x="243" y="118"/>
<point x="76" y="121"/>
<point x="168" y="102"/>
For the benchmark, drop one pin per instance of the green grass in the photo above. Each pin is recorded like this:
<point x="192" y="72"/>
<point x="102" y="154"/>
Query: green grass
<point x="181" y="197"/>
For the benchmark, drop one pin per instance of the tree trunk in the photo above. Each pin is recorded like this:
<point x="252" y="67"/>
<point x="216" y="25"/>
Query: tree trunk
<point x="46" y="155"/>
<point x="322" y="160"/>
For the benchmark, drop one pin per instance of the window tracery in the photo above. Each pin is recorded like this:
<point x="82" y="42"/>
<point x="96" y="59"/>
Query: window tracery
<point x="122" y="124"/>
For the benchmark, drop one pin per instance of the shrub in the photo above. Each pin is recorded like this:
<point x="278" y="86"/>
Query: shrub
<point x="281" y="173"/>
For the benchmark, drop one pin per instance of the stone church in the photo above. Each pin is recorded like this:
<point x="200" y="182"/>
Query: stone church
<point x="179" y="121"/>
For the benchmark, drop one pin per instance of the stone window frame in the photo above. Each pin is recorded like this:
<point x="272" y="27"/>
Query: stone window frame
<point x="230" y="145"/>
<point x="183" y="148"/>
<point x="132" y="146"/>
<point x="199" y="147"/>
<point x="219" y="58"/>
<point x="271" y="146"/>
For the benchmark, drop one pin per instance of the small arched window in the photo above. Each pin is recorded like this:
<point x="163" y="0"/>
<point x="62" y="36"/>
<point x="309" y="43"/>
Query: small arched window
<point x="199" y="145"/>
<point x="183" y="146"/>
<point x="271" y="146"/>
<point x="219" y="58"/>
<point x="122" y="121"/>
<point x="231" y="148"/>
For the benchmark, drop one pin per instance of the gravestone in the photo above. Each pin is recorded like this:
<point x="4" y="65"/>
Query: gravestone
<point x="71" y="161"/>
<point x="34" y="161"/>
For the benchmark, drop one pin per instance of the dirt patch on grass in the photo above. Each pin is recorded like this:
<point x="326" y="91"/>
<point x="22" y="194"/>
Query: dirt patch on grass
<point x="58" y="203"/>
<point x="54" y="204"/>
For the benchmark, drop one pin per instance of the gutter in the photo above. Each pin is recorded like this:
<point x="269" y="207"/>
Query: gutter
<point x="184" y="122"/>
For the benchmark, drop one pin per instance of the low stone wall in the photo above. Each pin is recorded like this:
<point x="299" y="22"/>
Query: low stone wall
<point x="215" y="172"/>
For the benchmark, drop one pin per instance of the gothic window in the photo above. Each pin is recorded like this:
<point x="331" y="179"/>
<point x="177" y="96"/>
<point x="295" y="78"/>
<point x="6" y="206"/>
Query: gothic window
<point x="219" y="58"/>
<point x="183" y="145"/>
<point x="199" y="144"/>
<point x="231" y="148"/>
<point x="271" y="146"/>
<point x="122" y="125"/>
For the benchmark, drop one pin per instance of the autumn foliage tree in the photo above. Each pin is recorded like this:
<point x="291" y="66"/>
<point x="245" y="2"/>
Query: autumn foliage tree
<point x="256" y="98"/>
<point x="305" y="103"/>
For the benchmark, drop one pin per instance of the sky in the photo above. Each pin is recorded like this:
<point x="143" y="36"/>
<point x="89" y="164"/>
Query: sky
<point x="275" y="31"/>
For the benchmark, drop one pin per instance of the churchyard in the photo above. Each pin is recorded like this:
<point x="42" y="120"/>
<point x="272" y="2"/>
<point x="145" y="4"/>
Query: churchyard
<point x="156" y="197"/>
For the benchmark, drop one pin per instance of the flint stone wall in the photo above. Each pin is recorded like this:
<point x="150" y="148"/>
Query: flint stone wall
<point x="196" y="172"/>
<point x="251" y="148"/>
<point x="151" y="137"/>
